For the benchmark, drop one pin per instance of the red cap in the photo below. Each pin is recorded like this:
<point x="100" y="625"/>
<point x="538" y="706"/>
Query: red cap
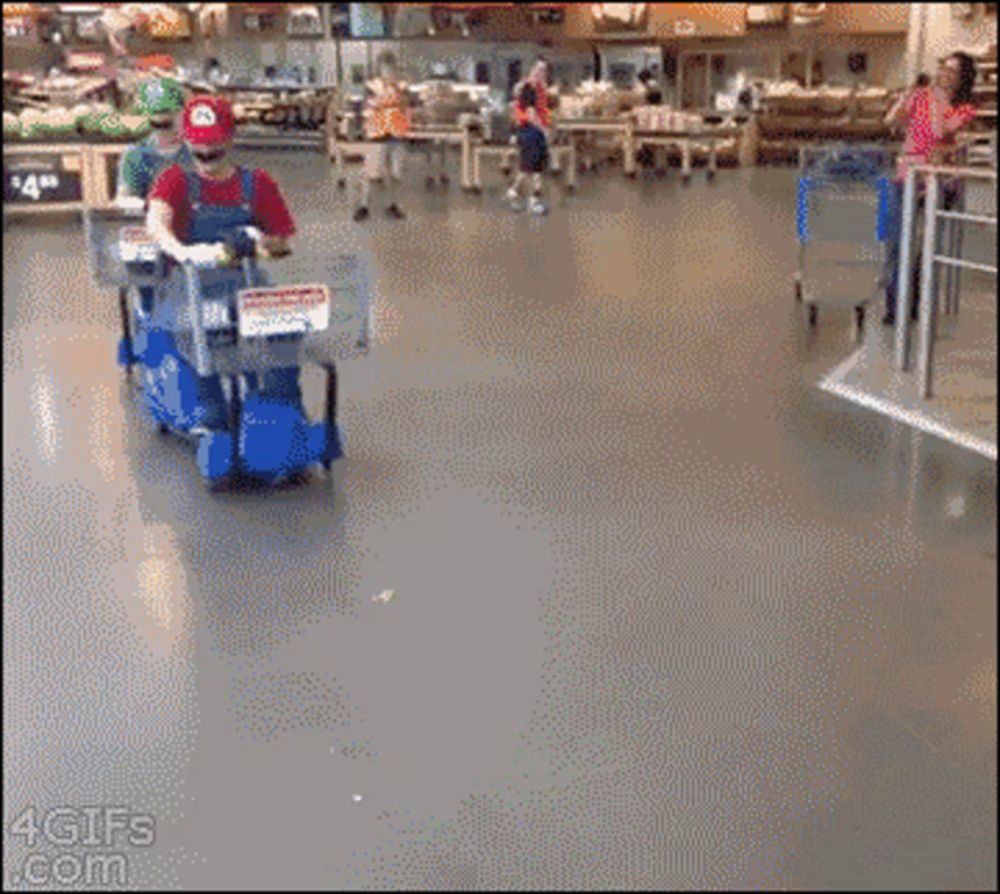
<point x="208" y="120"/>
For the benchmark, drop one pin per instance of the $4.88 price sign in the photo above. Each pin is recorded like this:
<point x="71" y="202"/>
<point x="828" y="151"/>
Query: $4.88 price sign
<point x="41" y="186"/>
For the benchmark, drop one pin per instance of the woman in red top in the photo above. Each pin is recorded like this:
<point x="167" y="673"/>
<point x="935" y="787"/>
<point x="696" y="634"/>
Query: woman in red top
<point x="933" y="115"/>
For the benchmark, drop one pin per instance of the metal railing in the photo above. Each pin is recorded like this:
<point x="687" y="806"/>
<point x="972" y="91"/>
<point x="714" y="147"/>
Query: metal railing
<point x="940" y="249"/>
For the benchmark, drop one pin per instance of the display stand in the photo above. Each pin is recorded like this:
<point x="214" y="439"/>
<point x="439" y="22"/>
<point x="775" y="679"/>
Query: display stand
<point x="685" y="142"/>
<point x="465" y="135"/>
<point x="563" y="159"/>
<point x="583" y="130"/>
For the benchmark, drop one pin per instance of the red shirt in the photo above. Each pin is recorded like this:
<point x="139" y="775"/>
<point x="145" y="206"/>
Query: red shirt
<point x="930" y="125"/>
<point x="521" y="115"/>
<point x="270" y="213"/>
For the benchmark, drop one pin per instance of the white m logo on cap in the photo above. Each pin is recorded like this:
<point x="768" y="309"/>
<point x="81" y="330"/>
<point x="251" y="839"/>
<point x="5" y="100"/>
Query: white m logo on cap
<point x="203" y="116"/>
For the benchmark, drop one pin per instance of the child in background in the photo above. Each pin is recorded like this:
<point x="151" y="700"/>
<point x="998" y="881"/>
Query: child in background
<point x="532" y="119"/>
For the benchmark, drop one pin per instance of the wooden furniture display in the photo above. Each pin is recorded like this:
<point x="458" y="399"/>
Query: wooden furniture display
<point x="787" y="123"/>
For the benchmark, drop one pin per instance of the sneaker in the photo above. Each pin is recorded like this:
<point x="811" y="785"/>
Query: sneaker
<point x="514" y="200"/>
<point x="537" y="206"/>
<point x="360" y="213"/>
<point x="395" y="212"/>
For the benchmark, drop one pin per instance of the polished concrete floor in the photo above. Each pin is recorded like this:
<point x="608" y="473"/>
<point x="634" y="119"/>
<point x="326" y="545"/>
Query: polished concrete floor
<point x="666" y="615"/>
<point x="963" y="403"/>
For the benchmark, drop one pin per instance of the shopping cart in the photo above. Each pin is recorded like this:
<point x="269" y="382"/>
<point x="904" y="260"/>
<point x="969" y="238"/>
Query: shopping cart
<point x="123" y="257"/>
<point x="842" y="223"/>
<point x="221" y="333"/>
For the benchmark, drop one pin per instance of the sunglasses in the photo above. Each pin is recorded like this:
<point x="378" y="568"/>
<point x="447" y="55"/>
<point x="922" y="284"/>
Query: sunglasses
<point x="210" y="155"/>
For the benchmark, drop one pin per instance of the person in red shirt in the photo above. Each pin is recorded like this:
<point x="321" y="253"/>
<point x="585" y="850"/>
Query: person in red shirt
<point x="532" y="120"/>
<point x="193" y="212"/>
<point x="933" y="114"/>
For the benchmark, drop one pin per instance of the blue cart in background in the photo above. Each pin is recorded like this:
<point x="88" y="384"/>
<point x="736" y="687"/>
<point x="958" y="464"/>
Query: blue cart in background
<point x="842" y="225"/>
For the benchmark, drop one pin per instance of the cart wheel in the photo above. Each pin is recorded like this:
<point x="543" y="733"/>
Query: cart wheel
<point x="813" y="315"/>
<point x="217" y="485"/>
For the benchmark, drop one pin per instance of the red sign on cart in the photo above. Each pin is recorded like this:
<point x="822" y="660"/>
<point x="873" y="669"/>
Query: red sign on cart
<point x="281" y="310"/>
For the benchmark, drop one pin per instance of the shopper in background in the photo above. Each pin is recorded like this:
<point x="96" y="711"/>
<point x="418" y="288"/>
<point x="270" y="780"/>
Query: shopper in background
<point x="649" y="89"/>
<point x="193" y="212"/>
<point x="214" y="74"/>
<point x="932" y="114"/>
<point x="161" y="100"/>
<point x="649" y="93"/>
<point x="387" y="122"/>
<point x="532" y="120"/>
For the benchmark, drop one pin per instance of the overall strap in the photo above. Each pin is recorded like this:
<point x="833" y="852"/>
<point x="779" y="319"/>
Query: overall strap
<point x="246" y="182"/>
<point x="194" y="187"/>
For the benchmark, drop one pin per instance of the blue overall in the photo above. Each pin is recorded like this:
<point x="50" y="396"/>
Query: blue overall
<point x="214" y="223"/>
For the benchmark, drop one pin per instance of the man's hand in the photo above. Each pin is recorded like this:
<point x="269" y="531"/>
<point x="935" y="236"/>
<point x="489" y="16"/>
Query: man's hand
<point x="210" y="254"/>
<point x="129" y="203"/>
<point x="275" y="246"/>
<point x="901" y="108"/>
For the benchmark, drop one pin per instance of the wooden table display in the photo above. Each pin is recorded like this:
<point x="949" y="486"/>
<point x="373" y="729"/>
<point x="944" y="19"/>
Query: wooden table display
<point x="280" y="115"/>
<point x="587" y="130"/>
<point x="685" y="141"/>
<point x="464" y="134"/>
<point x="563" y="159"/>
<point x="58" y="90"/>
<point x="791" y="122"/>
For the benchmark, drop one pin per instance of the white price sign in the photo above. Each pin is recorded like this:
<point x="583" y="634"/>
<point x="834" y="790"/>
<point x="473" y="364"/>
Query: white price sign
<point x="281" y="310"/>
<point x="39" y="182"/>
<point x="136" y="245"/>
<point x="30" y="186"/>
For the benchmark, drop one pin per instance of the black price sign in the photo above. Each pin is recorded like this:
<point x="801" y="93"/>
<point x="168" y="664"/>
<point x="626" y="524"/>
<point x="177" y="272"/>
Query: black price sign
<point x="37" y="184"/>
